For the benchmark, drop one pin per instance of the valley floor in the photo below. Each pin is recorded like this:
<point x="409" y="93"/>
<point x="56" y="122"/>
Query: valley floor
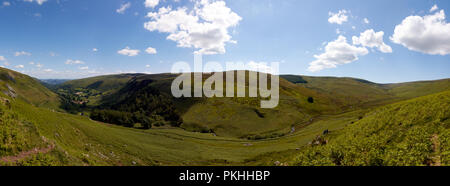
<point x="80" y="141"/>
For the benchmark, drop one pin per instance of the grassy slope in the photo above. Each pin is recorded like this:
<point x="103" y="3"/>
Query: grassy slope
<point x="413" y="132"/>
<point x="241" y="117"/>
<point x="80" y="141"/>
<point x="351" y="93"/>
<point x="100" y="83"/>
<point x="28" y="89"/>
<point x="92" y="143"/>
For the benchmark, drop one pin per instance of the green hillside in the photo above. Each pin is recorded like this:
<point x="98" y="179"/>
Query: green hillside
<point x="242" y="117"/>
<point x="35" y="131"/>
<point x="351" y="93"/>
<point x="413" y="132"/>
<point x="232" y="117"/>
<point x="21" y="86"/>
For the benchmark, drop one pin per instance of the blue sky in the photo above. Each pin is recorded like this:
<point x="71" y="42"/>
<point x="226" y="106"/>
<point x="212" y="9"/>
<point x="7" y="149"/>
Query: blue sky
<point x="81" y="38"/>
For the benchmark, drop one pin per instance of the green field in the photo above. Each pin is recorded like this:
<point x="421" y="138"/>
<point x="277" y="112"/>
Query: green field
<point x="361" y="119"/>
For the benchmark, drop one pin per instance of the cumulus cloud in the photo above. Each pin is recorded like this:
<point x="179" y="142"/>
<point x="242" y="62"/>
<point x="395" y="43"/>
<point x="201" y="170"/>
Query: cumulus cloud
<point x="2" y="58"/>
<point x="40" y="2"/>
<point x="123" y="7"/>
<point x="128" y="52"/>
<point x="204" y="28"/>
<point x="22" y="53"/>
<point x="147" y="66"/>
<point x="71" y="62"/>
<point x="38" y="65"/>
<point x="151" y="3"/>
<point x="19" y="66"/>
<point x="339" y="17"/>
<point x="429" y="34"/>
<point x="94" y="50"/>
<point x="84" y="68"/>
<point x="337" y="52"/>
<point x="434" y="8"/>
<point x="6" y="3"/>
<point x="150" y="50"/>
<point x="370" y="38"/>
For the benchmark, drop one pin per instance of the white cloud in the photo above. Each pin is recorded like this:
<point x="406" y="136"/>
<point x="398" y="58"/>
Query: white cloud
<point x="31" y="63"/>
<point x="260" y="67"/>
<point x="151" y="3"/>
<point x="128" y="52"/>
<point x="2" y="58"/>
<point x="94" y="50"/>
<point x="52" y="54"/>
<point x="366" y="21"/>
<point x="204" y="28"/>
<point x="337" y="52"/>
<point x="370" y="38"/>
<point x="123" y="7"/>
<point x="147" y="66"/>
<point x="48" y="70"/>
<point x="40" y="2"/>
<point x="84" y="68"/>
<point x="22" y="53"/>
<point x="151" y="50"/>
<point x="339" y="17"/>
<point x="38" y="65"/>
<point x="429" y="34"/>
<point x="70" y="62"/>
<point x="434" y="8"/>
<point x="6" y="3"/>
<point x="19" y="66"/>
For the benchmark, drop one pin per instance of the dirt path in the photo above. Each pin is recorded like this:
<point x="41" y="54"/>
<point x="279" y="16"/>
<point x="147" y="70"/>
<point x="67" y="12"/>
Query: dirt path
<point x="436" y="159"/>
<point x="26" y="154"/>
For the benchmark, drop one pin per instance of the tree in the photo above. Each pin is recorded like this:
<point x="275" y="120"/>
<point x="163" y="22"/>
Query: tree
<point x="310" y="99"/>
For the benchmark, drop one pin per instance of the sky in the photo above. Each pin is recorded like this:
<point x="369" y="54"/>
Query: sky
<point x="383" y="41"/>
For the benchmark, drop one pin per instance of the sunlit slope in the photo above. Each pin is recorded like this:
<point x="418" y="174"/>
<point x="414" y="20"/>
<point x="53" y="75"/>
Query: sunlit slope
<point x="413" y="132"/>
<point x="420" y="88"/>
<point x="351" y="93"/>
<point x="243" y="117"/>
<point x="20" y="140"/>
<point x="104" y="83"/>
<point x="20" y="86"/>
<point x="80" y="141"/>
<point x="236" y="117"/>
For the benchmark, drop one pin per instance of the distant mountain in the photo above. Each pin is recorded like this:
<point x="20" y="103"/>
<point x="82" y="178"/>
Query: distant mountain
<point x="54" y="81"/>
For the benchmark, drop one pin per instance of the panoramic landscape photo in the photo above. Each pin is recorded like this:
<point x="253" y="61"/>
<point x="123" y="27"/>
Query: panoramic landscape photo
<point x="224" y="83"/>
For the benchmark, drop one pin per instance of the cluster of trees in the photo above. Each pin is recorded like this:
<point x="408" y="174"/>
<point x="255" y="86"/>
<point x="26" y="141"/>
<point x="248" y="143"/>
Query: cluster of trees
<point x="142" y="104"/>
<point x="125" y="119"/>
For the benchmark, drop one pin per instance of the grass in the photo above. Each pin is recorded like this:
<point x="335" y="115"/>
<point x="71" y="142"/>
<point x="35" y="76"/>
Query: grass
<point x="355" y="118"/>
<point x="413" y="132"/>
<point x="86" y="142"/>
<point x="28" y="89"/>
